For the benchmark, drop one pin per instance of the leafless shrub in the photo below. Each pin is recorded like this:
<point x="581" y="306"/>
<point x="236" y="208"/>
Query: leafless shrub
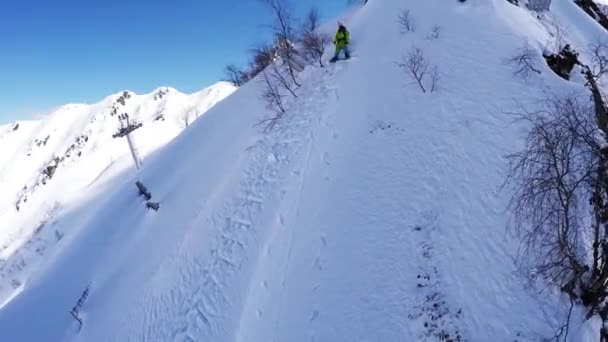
<point x="406" y="21"/>
<point x="560" y="38"/>
<point x="435" y="33"/>
<point x="276" y="69"/>
<point x="283" y="61"/>
<point x="235" y="75"/>
<point x="420" y="70"/>
<point x="560" y="201"/>
<point x="598" y="51"/>
<point x="524" y="61"/>
<point x="277" y="85"/>
<point x="313" y="42"/>
<point x="285" y="35"/>
<point x="262" y="56"/>
<point x="312" y="21"/>
<point x="273" y="96"/>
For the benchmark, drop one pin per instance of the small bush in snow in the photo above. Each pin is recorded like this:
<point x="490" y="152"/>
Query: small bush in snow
<point x="524" y="61"/>
<point x="313" y="43"/>
<point x="235" y="75"/>
<point x="560" y="39"/>
<point x="406" y="21"/>
<point x="277" y="85"/>
<point x="560" y="201"/>
<point x="418" y="67"/>
<point x="274" y="97"/>
<point x="261" y="58"/>
<point x="435" y="33"/>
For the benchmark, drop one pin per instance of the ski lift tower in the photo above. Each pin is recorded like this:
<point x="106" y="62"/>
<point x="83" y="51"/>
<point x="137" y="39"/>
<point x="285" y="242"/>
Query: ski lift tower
<point x="126" y="128"/>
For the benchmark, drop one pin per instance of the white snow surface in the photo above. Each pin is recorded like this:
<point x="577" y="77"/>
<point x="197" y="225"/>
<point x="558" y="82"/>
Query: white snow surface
<point x="89" y="159"/>
<point x="372" y="212"/>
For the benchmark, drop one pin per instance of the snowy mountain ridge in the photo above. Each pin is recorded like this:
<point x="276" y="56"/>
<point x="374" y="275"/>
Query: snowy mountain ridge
<point x="46" y="164"/>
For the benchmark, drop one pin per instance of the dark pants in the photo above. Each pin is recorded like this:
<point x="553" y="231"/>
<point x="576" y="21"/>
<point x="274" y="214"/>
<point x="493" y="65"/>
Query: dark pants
<point x="340" y="49"/>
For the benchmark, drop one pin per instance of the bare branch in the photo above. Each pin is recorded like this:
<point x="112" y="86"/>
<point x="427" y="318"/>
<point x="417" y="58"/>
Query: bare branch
<point x="285" y="35"/>
<point x="277" y="85"/>
<point x="312" y="21"/>
<point x="313" y="43"/>
<point x="524" y="61"/>
<point x="263" y="55"/>
<point x="560" y="38"/>
<point x="235" y="75"/>
<point x="274" y="101"/>
<point x="406" y="22"/>
<point x="435" y="33"/>
<point x="599" y="57"/>
<point x="419" y="69"/>
<point x="560" y="201"/>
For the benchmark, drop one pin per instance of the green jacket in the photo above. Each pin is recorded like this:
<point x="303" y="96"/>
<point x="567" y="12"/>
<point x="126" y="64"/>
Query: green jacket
<point x="342" y="39"/>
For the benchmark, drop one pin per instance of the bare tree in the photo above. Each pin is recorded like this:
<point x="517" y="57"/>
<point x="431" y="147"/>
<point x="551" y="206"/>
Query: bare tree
<point x="435" y="33"/>
<point x="560" y="201"/>
<point x="560" y="38"/>
<point x="273" y="97"/>
<point x="524" y="61"/>
<point x="263" y="55"/>
<point x="235" y="75"/>
<point x="313" y="42"/>
<point x="277" y="85"/>
<point x="312" y="21"/>
<point x="420" y="70"/>
<point x="275" y="69"/>
<point x="285" y="35"/>
<point x="280" y="77"/>
<point x="599" y="57"/>
<point x="406" y="21"/>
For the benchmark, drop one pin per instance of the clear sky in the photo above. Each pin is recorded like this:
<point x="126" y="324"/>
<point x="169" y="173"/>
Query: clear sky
<point x="54" y="52"/>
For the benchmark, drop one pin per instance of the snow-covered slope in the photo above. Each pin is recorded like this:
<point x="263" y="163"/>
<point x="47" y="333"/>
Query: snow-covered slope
<point x="48" y="166"/>
<point x="371" y="213"/>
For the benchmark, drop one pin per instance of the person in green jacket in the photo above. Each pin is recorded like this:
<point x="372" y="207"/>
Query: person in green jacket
<point x="341" y="40"/>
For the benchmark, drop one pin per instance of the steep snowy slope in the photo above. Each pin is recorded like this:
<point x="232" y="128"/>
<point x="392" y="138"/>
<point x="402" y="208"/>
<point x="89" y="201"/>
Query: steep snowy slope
<point x="48" y="166"/>
<point x="371" y="213"/>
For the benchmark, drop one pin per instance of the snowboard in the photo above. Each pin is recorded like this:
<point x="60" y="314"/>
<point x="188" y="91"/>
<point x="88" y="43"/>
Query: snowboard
<point x="341" y="60"/>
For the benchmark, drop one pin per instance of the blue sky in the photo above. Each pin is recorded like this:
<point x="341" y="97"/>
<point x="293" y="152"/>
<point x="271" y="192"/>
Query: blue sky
<point x="62" y="51"/>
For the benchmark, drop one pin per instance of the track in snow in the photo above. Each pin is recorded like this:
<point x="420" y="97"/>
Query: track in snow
<point x="201" y="293"/>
